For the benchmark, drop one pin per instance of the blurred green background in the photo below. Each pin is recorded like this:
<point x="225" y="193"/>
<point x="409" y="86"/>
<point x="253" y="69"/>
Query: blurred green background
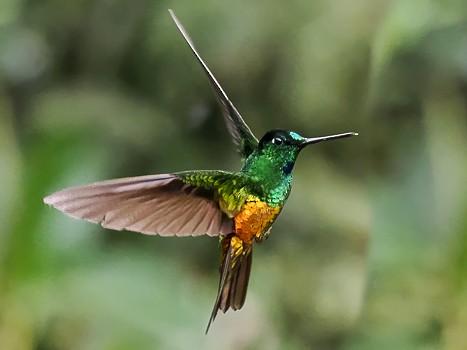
<point x="370" y="251"/>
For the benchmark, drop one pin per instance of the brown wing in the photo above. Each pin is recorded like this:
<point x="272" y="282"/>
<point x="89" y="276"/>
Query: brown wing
<point x="154" y="204"/>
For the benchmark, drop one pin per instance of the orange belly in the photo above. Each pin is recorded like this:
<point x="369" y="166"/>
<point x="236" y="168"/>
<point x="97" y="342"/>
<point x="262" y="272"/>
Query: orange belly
<point x="254" y="219"/>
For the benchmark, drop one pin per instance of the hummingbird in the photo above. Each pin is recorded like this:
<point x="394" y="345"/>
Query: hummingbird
<point x="238" y="207"/>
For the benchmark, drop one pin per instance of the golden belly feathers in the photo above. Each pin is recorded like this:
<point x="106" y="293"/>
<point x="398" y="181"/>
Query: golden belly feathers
<point x="254" y="219"/>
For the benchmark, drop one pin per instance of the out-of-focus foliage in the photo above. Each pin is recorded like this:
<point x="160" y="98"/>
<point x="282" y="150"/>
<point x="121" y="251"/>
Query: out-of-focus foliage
<point x="371" y="249"/>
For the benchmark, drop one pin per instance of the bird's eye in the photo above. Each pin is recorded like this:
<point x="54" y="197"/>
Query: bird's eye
<point x="277" y="141"/>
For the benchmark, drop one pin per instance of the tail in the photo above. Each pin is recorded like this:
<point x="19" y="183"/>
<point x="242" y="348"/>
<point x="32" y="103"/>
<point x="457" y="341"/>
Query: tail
<point x="235" y="270"/>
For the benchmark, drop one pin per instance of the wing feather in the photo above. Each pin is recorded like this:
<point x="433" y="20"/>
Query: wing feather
<point x="239" y="130"/>
<point x="154" y="204"/>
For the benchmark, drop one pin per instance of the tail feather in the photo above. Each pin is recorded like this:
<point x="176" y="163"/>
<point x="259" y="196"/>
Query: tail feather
<point x="235" y="274"/>
<point x="240" y="285"/>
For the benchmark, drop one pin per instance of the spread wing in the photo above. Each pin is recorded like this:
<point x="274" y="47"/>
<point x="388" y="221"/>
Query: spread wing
<point x="154" y="204"/>
<point x="240" y="132"/>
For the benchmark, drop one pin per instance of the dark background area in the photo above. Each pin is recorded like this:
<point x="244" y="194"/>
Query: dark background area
<point x="370" y="251"/>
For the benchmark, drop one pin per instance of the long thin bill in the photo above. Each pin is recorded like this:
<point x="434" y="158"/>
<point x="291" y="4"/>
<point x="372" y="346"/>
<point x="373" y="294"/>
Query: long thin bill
<point x="312" y="140"/>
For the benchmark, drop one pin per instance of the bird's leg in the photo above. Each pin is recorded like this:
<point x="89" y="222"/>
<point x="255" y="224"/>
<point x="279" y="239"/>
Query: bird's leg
<point x="262" y="237"/>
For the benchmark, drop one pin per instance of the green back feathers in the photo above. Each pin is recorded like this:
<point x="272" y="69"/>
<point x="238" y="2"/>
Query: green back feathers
<point x="231" y="190"/>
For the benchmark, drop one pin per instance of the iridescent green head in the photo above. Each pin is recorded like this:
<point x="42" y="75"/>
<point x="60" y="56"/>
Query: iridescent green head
<point x="278" y="150"/>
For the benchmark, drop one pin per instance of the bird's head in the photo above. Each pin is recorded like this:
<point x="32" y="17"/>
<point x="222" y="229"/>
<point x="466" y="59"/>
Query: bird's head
<point x="280" y="148"/>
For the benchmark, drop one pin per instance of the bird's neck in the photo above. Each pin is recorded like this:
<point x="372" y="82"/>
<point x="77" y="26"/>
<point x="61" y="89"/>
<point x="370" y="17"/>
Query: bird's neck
<point x="273" y="175"/>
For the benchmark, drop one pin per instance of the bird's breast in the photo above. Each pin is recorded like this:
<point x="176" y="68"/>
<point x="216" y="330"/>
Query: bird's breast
<point x="254" y="219"/>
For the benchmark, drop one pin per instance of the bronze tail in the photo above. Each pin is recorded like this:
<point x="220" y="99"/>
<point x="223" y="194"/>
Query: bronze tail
<point x="236" y="259"/>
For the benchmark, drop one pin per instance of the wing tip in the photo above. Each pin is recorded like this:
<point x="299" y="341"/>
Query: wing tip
<point x="49" y="200"/>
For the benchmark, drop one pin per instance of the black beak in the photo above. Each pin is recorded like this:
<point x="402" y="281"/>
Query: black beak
<point x="312" y="140"/>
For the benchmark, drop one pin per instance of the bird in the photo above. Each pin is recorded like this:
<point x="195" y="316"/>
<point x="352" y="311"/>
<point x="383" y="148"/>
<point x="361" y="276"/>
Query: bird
<point x="237" y="207"/>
